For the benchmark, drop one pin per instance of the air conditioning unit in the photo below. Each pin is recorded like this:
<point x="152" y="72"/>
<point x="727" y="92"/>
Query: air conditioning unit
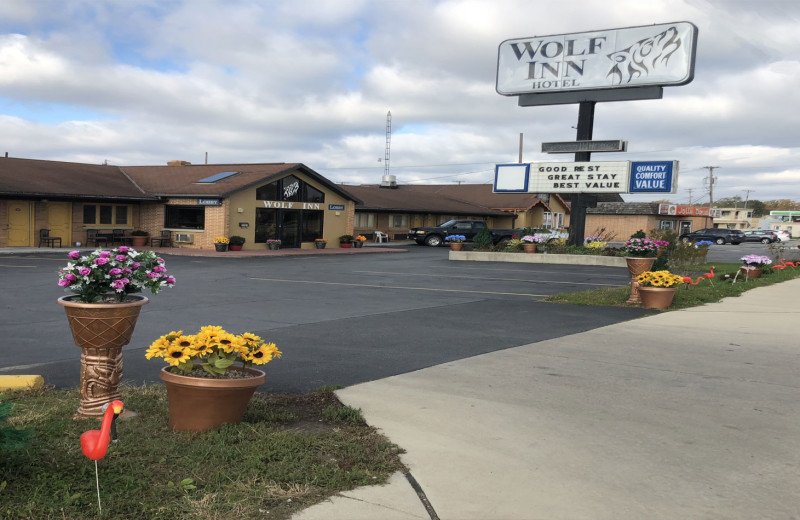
<point x="184" y="238"/>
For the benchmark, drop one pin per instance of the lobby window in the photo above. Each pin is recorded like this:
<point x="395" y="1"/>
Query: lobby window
<point x="290" y="189"/>
<point x="666" y="224"/>
<point x="106" y="215"/>
<point x="365" y="220"/>
<point x="185" y="217"/>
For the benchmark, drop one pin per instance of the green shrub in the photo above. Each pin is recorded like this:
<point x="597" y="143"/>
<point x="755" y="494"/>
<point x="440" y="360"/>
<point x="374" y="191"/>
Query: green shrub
<point x="483" y="240"/>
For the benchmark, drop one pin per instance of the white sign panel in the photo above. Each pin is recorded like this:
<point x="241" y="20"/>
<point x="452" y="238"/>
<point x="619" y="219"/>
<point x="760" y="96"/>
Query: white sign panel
<point x="579" y="177"/>
<point x="661" y="54"/>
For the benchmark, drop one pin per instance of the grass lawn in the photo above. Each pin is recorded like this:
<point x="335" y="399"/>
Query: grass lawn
<point x="289" y="452"/>
<point x="707" y="291"/>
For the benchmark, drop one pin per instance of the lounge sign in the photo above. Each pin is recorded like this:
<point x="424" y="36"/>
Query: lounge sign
<point x="629" y="57"/>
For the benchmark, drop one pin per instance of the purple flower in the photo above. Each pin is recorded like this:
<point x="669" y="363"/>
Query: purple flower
<point x="136" y="265"/>
<point x="159" y="269"/>
<point x="153" y="275"/>
<point x="121" y="258"/>
<point x="120" y="284"/>
<point x="124" y="249"/>
<point x="71" y="277"/>
<point x="105" y="254"/>
<point x="101" y="261"/>
<point x="115" y="272"/>
<point x="74" y="255"/>
<point x="84" y="271"/>
<point x="171" y="280"/>
<point x="64" y="282"/>
<point x="127" y="270"/>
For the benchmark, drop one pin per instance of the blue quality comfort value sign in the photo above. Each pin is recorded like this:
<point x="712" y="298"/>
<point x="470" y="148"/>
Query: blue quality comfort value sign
<point x="653" y="177"/>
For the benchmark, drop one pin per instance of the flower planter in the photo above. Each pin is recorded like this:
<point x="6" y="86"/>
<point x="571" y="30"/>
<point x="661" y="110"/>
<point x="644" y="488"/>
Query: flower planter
<point x="221" y="248"/>
<point x="752" y="273"/>
<point x="234" y="248"/>
<point x="139" y="240"/>
<point x="456" y="246"/>
<point x="101" y="330"/>
<point x="346" y="245"/>
<point x="198" y="404"/>
<point x="657" y="297"/>
<point x="358" y="243"/>
<point x="320" y="245"/>
<point x="636" y="266"/>
<point x="273" y="246"/>
<point x="529" y="248"/>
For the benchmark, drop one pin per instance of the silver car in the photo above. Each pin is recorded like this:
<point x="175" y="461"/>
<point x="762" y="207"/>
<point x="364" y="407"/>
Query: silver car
<point x="783" y="235"/>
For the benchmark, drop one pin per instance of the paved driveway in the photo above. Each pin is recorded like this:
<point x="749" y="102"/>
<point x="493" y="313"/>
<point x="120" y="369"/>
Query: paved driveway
<point x="339" y="319"/>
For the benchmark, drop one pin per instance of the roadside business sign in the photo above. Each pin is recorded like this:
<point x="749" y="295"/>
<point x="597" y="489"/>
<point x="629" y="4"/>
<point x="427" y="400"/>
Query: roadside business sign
<point x="680" y="210"/>
<point x="587" y="177"/>
<point x="650" y="55"/>
<point x="653" y="177"/>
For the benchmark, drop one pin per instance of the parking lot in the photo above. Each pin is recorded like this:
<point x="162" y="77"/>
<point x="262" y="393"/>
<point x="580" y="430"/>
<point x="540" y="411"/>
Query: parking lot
<point x="339" y="319"/>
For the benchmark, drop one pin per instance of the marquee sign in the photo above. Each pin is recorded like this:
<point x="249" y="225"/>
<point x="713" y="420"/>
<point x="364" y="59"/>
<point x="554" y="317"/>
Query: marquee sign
<point x="587" y="177"/>
<point x="649" y="55"/>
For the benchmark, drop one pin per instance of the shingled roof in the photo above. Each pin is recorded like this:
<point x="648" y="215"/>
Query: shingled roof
<point x="55" y="179"/>
<point x="624" y="208"/>
<point x="182" y="180"/>
<point x="455" y="199"/>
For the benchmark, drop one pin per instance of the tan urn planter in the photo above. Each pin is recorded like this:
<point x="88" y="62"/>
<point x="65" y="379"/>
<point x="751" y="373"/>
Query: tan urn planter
<point x="657" y="297"/>
<point x="456" y="246"/>
<point x="101" y="330"/>
<point x="198" y="404"/>
<point x="139" y="240"/>
<point x="636" y="266"/>
<point x="529" y="248"/>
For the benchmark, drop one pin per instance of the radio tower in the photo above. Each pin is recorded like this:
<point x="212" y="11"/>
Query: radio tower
<point x="388" y="142"/>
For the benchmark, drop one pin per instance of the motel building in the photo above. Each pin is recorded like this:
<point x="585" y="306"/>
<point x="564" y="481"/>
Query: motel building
<point x="189" y="205"/>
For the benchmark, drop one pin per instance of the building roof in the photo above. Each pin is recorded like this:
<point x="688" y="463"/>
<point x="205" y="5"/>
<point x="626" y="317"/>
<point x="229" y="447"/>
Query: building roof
<point x="624" y="208"/>
<point x="55" y="179"/>
<point x="455" y="199"/>
<point x="182" y="179"/>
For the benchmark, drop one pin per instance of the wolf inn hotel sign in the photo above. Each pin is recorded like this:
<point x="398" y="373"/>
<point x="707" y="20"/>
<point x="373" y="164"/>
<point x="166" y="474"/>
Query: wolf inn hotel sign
<point x="587" y="177"/>
<point x="630" y="57"/>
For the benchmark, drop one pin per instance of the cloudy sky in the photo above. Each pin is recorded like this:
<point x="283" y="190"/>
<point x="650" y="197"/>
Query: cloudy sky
<point x="147" y="81"/>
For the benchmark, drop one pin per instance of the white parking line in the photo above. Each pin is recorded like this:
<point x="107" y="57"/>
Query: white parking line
<point x="400" y="287"/>
<point x="20" y="266"/>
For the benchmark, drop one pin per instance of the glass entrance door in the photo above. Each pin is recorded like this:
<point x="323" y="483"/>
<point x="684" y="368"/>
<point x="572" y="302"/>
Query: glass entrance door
<point x="289" y="227"/>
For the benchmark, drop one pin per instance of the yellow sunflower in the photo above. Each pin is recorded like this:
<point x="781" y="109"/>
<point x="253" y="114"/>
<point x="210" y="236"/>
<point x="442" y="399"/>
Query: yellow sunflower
<point x="264" y="354"/>
<point x="229" y="343"/>
<point x="175" y="355"/>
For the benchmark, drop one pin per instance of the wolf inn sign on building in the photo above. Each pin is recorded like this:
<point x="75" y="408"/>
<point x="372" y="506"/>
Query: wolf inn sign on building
<point x="661" y="54"/>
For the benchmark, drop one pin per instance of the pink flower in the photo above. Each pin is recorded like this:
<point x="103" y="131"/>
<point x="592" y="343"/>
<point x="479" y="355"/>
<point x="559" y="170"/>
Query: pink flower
<point x="159" y="269"/>
<point x="84" y="271"/>
<point x="120" y="284"/>
<point x="105" y="254"/>
<point x="124" y="249"/>
<point x="74" y="255"/>
<point x="121" y="258"/>
<point x="101" y="261"/>
<point x="64" y="282"/>
<point x="71" y="277"/>
<point x="136" y="265"/>
<point x="127" y="270"/>
<point x="115" y="272"/>
<point x="171" y="280"/>
<point x="153" y="275"/>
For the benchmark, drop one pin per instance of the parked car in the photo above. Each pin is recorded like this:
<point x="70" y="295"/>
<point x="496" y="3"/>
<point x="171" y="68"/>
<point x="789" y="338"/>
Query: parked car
<point x="765" y="236"/>
<point x="783" y="235"/>
<point x="435" y="235"/>
<point x="717" y="235"/>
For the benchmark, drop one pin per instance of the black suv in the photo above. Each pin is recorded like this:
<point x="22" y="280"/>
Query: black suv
<point x="716" y="235"/>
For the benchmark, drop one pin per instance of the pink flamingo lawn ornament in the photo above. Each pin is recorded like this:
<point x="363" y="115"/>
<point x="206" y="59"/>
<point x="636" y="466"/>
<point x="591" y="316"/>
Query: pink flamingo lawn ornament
<point x="706" y="276"/>
<point x="784" y="264"/>
<point x="94" y="443"/>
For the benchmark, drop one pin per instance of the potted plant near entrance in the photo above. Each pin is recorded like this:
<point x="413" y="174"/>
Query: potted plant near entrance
<point x="640" y="254"/>
<point x="320" y="243"/>
<point x="273" y="244"/>
<point x="456" y="242"/>
<point x="236" y="243"/>
<point x="359" y="241"/>
<point x="103" y="312"/>
<point x="139" y="237"/>
<point x="346" y="241"/>
<point x="658" y="288"/>
<point x="205" y="386"/>
<point x="221" y="244"/>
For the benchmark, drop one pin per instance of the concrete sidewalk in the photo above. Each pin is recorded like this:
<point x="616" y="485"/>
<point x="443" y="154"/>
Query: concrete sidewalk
<point x="684" y="414"/>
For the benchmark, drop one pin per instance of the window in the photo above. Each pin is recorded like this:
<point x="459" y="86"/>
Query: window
<point x="666" y="224"/>
<point x="106" y="215"/>
<point x="185" y="217"/>
<point x="398" y="221"/>
<point x="290" y="189"/>
<point x="365" y="220"/>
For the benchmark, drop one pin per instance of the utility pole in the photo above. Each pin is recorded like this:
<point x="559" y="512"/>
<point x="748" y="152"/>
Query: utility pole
<point x="690" y="196"/>
<point x="747" y="197"/>
<point x="711" y="180"/>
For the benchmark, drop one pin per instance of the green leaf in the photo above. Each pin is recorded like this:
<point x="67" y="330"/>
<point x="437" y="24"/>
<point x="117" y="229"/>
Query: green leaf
<point x="223" y="363"/>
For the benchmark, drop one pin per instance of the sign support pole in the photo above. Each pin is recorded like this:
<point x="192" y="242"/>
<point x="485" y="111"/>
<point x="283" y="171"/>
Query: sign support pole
<point x="580" y="201"/>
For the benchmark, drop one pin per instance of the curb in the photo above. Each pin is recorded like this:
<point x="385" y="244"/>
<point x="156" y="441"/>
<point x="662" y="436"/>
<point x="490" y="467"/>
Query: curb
<point x="21" y="382"/>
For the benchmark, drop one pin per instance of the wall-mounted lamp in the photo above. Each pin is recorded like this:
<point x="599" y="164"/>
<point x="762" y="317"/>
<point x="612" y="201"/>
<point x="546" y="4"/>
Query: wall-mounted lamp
<point x="244" y="224"/>
<point x="239" y="210"/>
